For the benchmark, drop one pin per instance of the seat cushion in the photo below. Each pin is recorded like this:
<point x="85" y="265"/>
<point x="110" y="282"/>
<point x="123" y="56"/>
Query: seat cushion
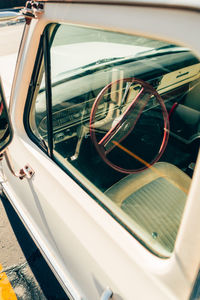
<point x="157" y="207"/>
<point x="155" y="200"/>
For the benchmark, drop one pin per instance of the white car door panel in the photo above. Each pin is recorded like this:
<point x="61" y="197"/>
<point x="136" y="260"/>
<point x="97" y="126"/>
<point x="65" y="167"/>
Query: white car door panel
<point x="78" y="230"/>
<point x="85" y="242"/>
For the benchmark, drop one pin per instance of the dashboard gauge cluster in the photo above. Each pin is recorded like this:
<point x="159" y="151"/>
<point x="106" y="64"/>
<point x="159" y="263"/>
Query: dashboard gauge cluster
<point x="66" y="121"/>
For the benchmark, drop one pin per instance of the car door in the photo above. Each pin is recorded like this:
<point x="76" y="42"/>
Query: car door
<point x="67" y="58"/>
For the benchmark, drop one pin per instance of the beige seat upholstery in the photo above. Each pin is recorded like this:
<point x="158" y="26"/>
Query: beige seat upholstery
<point x="154" y="199"/>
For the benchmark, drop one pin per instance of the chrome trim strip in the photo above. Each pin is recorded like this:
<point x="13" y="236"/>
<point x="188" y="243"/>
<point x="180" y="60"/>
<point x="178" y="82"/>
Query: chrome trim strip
<point x="107" y="294"/>
<point x="181" y="4"/>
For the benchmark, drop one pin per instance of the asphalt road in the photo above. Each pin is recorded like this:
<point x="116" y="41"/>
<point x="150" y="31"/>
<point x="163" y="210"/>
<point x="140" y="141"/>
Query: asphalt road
<point x="24" y="274"/>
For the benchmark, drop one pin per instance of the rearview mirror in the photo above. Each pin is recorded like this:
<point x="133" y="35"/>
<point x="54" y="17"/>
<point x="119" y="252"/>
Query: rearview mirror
<point x="6" y="132"/>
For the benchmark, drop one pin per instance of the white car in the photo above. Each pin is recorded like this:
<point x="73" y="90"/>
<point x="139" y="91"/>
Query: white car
<point x="99" y="146"/>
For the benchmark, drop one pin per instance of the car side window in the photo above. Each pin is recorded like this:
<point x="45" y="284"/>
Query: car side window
<point x="195" y="295"/>
<point x="123" y="117"/>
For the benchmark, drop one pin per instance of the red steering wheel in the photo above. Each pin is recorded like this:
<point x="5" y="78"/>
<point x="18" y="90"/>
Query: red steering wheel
<point x="126" y="110"/>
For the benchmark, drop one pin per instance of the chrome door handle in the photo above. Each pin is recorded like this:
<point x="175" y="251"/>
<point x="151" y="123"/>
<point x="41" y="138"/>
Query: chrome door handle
<point x="107" y="294"/>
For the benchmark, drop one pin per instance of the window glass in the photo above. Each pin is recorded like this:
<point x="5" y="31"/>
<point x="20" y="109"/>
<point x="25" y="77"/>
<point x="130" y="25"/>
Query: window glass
<point x="125" y="121"/>
<point x="39" y="125"/>
<point x="195" y="295"/>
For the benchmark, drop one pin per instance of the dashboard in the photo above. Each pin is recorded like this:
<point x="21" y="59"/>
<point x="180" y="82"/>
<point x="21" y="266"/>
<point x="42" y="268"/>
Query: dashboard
<point x="74" y="99"/>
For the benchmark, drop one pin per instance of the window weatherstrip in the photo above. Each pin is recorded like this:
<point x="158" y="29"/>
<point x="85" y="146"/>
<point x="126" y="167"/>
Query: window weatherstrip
<point x="47" y="64"/>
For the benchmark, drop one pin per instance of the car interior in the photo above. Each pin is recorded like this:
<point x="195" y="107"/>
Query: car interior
<point x="131" y="126"/>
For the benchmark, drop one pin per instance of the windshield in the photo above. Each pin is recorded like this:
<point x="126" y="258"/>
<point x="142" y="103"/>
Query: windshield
<point x="99" y="48"/>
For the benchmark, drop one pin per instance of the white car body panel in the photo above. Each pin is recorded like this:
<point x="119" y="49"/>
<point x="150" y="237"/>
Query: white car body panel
<point x="8" y="63"/>
<point x="71" y="229"/>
